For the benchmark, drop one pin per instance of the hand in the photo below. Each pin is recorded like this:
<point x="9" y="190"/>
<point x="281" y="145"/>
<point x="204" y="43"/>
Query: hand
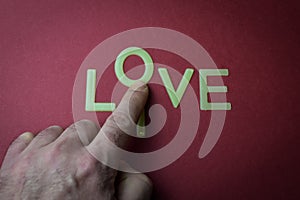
<point x="55" y="164"/>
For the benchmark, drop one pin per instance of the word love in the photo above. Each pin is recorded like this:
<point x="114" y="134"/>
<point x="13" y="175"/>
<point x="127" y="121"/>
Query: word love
<point x="174" y="95"/>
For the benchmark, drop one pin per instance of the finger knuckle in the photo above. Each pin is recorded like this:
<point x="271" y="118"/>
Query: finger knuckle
<point x="86" y="166"/>
<point x="122" y="121"/>
<point x="88" y="123"/>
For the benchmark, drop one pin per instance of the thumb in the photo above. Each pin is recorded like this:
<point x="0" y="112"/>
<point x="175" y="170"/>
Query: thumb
<point x="133" y="186"/>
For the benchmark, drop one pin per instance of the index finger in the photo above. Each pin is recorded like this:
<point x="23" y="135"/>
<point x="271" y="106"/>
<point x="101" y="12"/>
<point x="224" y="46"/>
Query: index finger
<point x="122" y="120"/>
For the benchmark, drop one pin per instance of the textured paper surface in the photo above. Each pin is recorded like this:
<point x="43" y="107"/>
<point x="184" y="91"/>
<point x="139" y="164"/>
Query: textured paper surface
<point x="43" y="44"/>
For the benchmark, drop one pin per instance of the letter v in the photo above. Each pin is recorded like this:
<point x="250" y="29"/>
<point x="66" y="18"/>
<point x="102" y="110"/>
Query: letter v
<point x="175" y="96"/>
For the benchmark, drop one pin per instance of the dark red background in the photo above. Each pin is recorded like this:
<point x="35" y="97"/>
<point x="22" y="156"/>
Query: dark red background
<point x="257" y="157"/>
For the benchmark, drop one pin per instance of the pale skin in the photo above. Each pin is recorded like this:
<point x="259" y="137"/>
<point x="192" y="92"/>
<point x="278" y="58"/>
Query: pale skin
<point x="55" y="164"/>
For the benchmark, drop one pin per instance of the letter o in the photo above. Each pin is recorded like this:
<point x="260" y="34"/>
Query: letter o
<point x="119" y="70"/>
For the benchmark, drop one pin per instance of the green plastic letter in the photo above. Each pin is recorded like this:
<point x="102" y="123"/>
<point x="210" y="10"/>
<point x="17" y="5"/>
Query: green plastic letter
<point x="204" y="89"/>
<point x="140" y="129"/>
<point x="175" y="96"/>
<point x="119" y="70"/>
<point x="90" y="104"/>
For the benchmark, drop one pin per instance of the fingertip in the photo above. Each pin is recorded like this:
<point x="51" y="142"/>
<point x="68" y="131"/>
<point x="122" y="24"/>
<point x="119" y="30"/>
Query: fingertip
<point x="45" y="137"/>
<point x="56" y="128"/>
<point x="144" y="179"/>
<point x="134" y="187"/>
<point x="20" y="143"/>
<point x="89" y="123"/>
<point x="139" y="86"/>
<point x="26" y="137"/>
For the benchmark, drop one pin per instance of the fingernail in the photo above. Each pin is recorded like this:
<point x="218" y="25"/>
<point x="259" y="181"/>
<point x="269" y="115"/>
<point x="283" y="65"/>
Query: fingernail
<point x="55" y="127"/>
<point x="139" y="86"/>
<point x="27" y="136"/>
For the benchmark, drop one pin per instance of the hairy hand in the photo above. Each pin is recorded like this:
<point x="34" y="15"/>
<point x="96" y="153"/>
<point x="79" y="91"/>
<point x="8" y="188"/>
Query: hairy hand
<point x="55" y="164"/>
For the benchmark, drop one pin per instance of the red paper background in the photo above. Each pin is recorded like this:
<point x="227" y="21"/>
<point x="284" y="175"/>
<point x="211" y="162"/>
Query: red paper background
<point x="43" y="44"/>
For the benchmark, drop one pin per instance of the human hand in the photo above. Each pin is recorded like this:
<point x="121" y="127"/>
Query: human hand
<point x="56" y="164"/>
